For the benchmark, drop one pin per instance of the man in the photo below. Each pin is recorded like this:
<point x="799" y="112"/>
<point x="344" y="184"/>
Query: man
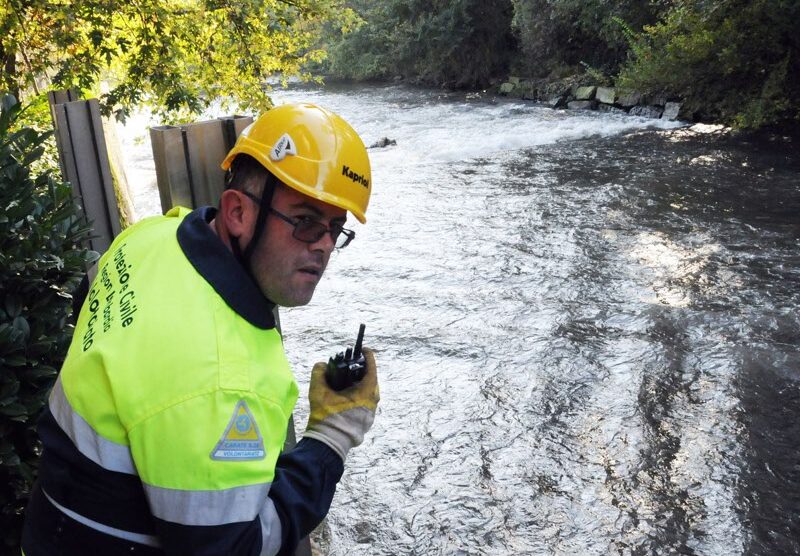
<point x="163" y="432"/>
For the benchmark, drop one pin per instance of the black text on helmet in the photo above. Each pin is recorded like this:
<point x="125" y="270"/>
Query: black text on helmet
<point x="357" y="178"/>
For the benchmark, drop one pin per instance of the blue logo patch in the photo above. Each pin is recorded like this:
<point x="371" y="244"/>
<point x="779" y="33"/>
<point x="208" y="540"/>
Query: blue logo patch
<point x="241" y="440"/>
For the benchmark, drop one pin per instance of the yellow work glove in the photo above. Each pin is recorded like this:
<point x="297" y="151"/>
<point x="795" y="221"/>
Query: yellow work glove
<point x="341" y="419"/>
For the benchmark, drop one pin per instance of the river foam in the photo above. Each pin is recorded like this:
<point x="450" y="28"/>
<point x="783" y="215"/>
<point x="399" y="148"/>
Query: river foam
<point x="423" y="125"/>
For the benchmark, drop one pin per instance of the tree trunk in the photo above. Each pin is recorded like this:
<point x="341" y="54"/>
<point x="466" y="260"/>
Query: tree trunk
<point x="9" y="77"/>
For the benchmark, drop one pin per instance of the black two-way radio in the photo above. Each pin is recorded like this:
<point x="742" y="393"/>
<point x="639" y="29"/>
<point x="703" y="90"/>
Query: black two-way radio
<point x="347" y="368"/>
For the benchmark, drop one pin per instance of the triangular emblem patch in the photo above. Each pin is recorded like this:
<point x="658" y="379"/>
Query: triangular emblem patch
<point x="241" y="440"/>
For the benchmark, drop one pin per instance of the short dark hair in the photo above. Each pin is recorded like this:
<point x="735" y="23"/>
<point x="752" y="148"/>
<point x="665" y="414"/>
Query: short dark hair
<point x="246" y="174"/>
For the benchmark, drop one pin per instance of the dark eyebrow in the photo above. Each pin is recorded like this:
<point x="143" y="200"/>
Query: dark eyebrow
<point x="318" y="213"/>
<point x="307" y="206"/>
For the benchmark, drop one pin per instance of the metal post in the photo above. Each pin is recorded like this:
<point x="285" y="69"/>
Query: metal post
<point x="85" y="165"/>
<point x="187" y="160"/>
<point x="172" y="171"/>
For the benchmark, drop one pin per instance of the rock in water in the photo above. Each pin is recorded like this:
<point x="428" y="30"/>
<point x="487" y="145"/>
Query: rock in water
<point x="611" y="109"/>
<point x="559" y="101"/>
<point x="646" y="111"/>
<point x="383" y="142"/>
<point x="606" y="95"/>
<point x="671" y="111"/>
<point x="585" y="93"/>
<point x="581" y="105"/>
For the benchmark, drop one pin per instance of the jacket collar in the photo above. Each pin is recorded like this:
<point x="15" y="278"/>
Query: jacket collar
<point x="217" y="265"/>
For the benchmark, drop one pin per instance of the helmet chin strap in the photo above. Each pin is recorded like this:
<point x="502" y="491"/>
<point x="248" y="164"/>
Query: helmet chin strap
<point x="245" y="257"/>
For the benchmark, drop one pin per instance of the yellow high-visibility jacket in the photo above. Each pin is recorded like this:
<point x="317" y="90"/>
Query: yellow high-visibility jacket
<point x="165" y="426"/>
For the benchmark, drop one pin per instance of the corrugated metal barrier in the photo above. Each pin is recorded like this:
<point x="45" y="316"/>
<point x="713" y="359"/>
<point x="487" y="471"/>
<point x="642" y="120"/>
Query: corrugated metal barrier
<point x="85" y="164"/>
<point x="187" y="160"/>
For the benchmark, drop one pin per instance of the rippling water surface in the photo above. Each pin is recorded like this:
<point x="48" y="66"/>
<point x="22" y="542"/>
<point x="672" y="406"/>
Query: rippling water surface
<point x="587" y="330"/>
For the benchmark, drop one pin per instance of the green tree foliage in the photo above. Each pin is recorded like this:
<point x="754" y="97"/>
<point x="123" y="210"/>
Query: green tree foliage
<point x="558" y="36"/>
<point x="41" y="261"/>
<point x="172" y="54"/>
<point x="736" y="61"/>
<point x="457" y="43"/>
<point x="465" y="43"/>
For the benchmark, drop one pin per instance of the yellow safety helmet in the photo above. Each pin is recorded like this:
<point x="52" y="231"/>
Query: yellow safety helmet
<point x="313" y="151"/>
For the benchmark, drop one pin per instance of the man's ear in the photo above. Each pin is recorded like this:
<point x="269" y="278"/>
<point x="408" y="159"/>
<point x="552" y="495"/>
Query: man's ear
<point x="233" y="213"/>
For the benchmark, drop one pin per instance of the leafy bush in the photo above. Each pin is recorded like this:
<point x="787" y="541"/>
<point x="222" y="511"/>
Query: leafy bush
<point x="734" y="61"/>
<point x="173" y="56"/>
<point x="41" y="262"/>
<point x="731" y="61"/>
<point x="558" y="36"/>
<point x="459" y="43"/>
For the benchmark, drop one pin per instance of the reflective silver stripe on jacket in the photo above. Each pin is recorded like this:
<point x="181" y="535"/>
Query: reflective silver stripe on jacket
<point x="270" y="529"/>
<point x="207" y="507"/>
<point x="220" y="507"/>
<point x="140" y="538"/>
<point x="105" y="453"/>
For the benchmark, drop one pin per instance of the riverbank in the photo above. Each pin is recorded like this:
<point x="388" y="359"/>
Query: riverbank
<point x="583" y="92"/>
<point x="575" y="92"/>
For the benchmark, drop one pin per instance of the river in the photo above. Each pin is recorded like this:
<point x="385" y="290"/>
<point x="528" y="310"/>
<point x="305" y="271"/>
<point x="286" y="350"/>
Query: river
<point x="587" y="331"/>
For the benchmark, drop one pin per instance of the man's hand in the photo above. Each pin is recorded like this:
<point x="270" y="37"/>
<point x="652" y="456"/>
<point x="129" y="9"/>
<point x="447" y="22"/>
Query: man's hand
<point x="341" y="419"/>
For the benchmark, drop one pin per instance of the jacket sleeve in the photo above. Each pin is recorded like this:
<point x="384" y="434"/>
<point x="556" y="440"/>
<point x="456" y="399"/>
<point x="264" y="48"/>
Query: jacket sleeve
<point x="302" y="492"/>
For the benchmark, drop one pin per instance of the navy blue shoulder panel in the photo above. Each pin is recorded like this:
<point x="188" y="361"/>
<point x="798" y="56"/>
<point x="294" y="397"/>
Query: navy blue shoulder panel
<point x="303" y="488"/>
<point x="215" y="262"/>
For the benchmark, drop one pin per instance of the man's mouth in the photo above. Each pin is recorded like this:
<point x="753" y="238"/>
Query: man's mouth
<point x="311" y="270"/>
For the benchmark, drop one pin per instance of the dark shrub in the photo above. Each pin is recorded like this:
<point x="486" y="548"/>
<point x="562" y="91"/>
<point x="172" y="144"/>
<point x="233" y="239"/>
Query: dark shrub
<point x="41" y="262"/>
<point x="734" y="61"/>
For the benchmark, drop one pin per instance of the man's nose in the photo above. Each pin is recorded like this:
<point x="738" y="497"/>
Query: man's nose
<point x="324" y="244"/>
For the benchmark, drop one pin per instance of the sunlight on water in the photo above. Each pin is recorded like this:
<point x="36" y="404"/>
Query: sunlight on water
<point x="422" y="124"/>
<point x="672" y="266"/>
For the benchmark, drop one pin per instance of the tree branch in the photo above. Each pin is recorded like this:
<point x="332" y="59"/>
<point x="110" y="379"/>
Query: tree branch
<point x="22" y="48"/>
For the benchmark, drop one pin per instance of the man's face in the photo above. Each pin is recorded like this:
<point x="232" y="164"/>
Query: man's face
<point x="288" y="270"/>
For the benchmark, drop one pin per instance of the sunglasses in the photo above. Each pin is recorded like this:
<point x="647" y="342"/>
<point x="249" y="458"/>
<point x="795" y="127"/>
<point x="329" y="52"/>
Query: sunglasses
<point x="308" y="230"/>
